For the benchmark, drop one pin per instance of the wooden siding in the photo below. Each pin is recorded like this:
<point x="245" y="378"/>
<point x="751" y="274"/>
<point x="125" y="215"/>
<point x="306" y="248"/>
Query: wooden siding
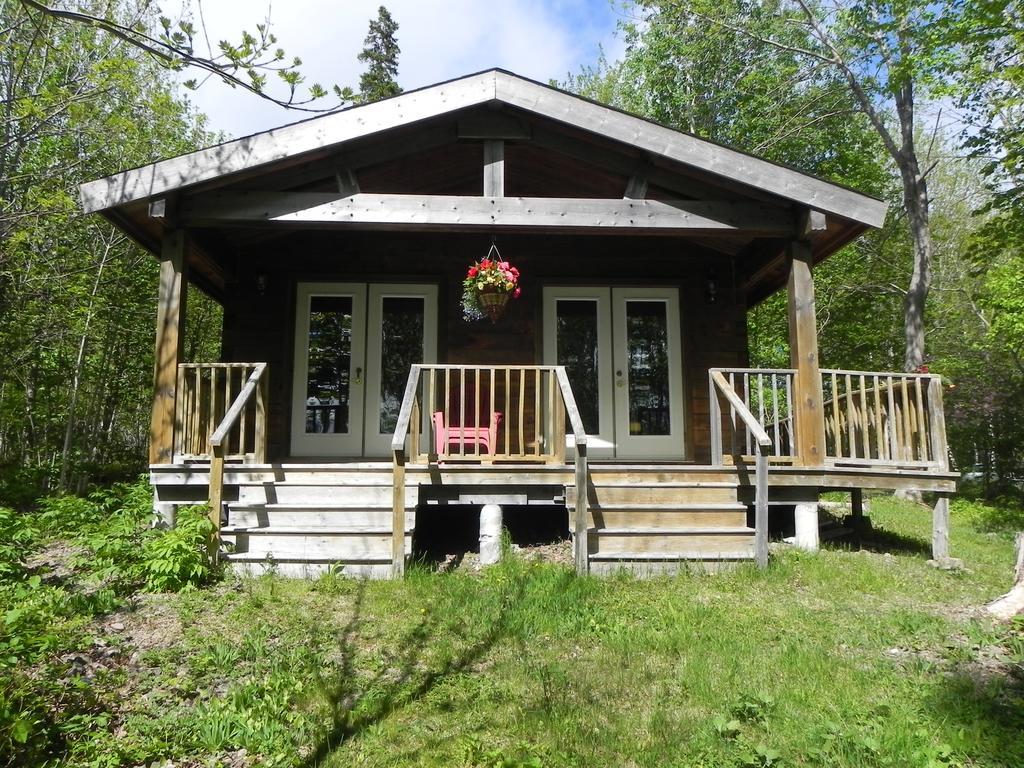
<point x="259" y="326"/>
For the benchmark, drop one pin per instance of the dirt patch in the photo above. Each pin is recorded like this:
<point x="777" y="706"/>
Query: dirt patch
<point x="556" y="552"/>
<point x="54" y="561"/>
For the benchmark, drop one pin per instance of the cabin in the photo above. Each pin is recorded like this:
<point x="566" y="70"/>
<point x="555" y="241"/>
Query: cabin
<point x="353" y="400"/>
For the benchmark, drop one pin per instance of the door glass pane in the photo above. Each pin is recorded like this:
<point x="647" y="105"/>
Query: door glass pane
<point x="401" y="346"/>
<point x="330" y="359"/>
<point x="647" y="353"/>
<point x="576" y="342"/>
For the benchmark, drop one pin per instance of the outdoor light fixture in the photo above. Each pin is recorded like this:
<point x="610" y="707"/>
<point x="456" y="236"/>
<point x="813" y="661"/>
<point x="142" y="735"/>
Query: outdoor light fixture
<point x="711" y="288"/>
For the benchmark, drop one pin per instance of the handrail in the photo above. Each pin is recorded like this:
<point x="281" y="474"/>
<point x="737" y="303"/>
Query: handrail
<point x="580" y="544"/>
<point x="760" y="435"/>
<point x="254" y="384"/>
<point x="761" y="466"/>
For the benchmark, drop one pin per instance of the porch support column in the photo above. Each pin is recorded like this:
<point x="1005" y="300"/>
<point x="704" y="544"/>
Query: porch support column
<point x="803" y="355"/>
<point x="170" y="320"/>
<point x="806" y="533"/>
<point x="940" y="529"/>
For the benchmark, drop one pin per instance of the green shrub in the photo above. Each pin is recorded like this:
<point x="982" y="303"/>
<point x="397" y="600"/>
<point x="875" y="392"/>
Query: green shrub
<point x="17" y="536"/>
<point x="177" y="559"/>
<point x="1002" y="515"/>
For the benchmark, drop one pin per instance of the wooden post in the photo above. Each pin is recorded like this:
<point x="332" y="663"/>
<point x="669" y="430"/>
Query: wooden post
<point x="216" y="498"/>
<point x="580" y="522"/>
<point x="398" y="517"/>
<point x="857" y="506"/>
<point x="940" y="529"/>
<point x="761" y="508"/>
<point x="170" y="320"/>
<point x="803" y="353"/>
<point x="494" y="168"/>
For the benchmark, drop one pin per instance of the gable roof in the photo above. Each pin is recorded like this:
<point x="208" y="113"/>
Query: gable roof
<point x="489" y="87"/>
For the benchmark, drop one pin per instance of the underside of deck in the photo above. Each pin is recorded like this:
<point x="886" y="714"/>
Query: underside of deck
<point x="305" y="517"/>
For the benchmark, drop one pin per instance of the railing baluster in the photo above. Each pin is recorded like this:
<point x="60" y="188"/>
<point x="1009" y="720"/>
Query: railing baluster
<point x="733" y="437"/>
<point x="179" y="412"/>
<point x="536" y="412"/>
<point x="865" y="437"/>
<point x="476" y="411"/>
<point x="775" y="414"/>
<point x="908" y="433"/>
<point x="197" y="397"/>
<point x="880" y="441"/>
<point x="851" y="428"/>
<point x="746" y="402"/>
<point x="522" y="399"/>
<point x="836" y="425"/>
<point x="789" y="415"/>
<point x="447" y="395"/>
<point x="893" y="422"/>
<point x="922" y="426"/>
<point x="431" y="409"/>
<point x="508" y="407"/>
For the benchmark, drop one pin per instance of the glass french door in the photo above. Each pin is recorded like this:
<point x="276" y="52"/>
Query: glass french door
<point x="622" y="354"/>
<point x="354" y="344"/>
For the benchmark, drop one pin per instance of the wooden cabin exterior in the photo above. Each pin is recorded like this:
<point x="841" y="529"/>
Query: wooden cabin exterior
<point x="352" y="397"/>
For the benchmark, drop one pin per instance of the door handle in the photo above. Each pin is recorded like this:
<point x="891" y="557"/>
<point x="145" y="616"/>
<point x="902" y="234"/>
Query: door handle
<point x="359" y="376"/>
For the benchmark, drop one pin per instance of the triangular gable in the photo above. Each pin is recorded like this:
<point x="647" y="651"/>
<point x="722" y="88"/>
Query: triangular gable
<point x="325" y="132"/>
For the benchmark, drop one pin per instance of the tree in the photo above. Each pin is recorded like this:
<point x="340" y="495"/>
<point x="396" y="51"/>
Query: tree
<point x="893" y="55"/>
<point x="243" y="64"/>
<point x="76" y="295"/>
<point x="380" y="54"/>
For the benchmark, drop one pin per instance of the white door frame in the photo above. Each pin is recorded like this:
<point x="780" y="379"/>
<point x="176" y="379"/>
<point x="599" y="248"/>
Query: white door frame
<point x="601" y="445"/>
<point x="378" y="444"/>
<point x="673" y="444"/>
<point x="328" y="444"/>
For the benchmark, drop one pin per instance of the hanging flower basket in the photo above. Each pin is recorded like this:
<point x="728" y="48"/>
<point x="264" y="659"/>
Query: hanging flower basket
<point x="488" y="286"/>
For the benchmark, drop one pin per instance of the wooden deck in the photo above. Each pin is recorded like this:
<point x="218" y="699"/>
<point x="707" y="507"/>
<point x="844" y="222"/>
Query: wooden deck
<point x="306" y="516"/>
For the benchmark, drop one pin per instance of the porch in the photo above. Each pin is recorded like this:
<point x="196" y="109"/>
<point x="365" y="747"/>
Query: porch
<point x="307" y="514"/>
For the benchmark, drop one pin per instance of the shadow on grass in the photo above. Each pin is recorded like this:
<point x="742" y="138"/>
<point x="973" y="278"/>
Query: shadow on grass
<point x="986" y="706"/>
<point x="866" y="537"/>
<point x="408" y="676"/>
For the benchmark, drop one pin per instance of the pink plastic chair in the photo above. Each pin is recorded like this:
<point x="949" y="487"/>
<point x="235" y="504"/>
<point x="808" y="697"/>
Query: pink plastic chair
<point x="465" y="437"/>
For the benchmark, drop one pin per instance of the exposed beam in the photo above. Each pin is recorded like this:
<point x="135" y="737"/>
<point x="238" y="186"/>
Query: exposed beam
<point x="451" y="212"/>
<point x="494" y="168"/>
<point x="348" y="183"/>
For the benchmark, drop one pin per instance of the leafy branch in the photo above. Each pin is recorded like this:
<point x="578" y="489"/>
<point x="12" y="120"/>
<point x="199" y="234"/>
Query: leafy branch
<point x="245" y="64"/>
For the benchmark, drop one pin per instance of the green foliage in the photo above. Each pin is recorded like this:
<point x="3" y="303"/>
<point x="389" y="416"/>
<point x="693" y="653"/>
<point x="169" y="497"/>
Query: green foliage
<point x="1001" y="515"/>
<point x="17" y="537"/>
<point x="178" y="558"/>
<point x="380" y="54"/>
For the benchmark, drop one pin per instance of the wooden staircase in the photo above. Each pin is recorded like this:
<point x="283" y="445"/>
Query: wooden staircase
<point x="658" y="520"/>
<point x="307" y="523"/>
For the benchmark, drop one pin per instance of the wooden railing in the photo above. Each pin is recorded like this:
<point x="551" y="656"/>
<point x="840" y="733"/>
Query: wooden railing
<point x="252" y="392"/>
<point x="889" y="419"/>
<point x="205" y="393"/>
<point x="487" y="413"/>
<point x="762" y="444"/>
<point x="766" y="394"/>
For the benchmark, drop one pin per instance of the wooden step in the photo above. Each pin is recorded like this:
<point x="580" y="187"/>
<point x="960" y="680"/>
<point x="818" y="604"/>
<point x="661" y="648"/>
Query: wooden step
<point x="312" y="517"/>
<point x="678" y="543"/>
<point x="248" y="565"/>
<point x="666" y="516"/>
<point x="310" y="546"/>
<point x="600" y="495"/>
<point x="375" y="495"/>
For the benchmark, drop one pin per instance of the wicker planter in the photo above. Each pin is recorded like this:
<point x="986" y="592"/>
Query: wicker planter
<point x="493" y="302"/>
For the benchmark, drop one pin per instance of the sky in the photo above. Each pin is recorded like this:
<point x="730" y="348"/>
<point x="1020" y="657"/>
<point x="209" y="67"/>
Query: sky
<point x="439" y="39"/>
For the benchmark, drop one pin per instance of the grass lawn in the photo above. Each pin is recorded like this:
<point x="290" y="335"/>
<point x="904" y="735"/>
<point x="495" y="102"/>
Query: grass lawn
<point x="848" y="657"/>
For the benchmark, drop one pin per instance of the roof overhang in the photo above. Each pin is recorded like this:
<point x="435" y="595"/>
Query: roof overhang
<point x="292" y="143"/>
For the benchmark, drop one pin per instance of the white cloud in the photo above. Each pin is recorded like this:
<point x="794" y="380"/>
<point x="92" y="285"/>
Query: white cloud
<point x="540" y="39"/>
